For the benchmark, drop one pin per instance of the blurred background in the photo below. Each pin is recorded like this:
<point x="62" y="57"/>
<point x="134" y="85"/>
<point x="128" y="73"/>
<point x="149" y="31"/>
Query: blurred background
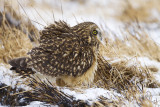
<point x="113" y="14"/>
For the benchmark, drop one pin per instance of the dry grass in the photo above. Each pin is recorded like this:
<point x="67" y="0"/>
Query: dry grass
<point x="14" y="43"/>
<point x="127" y="76"/>
<point x="136" y="43"/>
<point x="16" y="35"/>
<point x="141" y="10"/>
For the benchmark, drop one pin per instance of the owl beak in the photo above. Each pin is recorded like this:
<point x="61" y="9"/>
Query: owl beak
<point x="100" y="36"/>
<point x="101" y="39"/>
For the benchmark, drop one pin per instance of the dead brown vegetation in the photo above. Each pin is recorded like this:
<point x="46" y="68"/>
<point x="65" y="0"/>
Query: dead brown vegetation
<point x="13" y="43"/>
<point x="127" y="75"/>
<point x="141" y="10"/>
<point x="16" y="35"/>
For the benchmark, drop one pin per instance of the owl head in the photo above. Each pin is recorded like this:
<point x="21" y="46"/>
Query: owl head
<point x="89" y="33"/>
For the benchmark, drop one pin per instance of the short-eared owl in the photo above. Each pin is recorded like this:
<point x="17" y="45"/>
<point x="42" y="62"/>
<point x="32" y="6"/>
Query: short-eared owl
<point x="67" y="53"/>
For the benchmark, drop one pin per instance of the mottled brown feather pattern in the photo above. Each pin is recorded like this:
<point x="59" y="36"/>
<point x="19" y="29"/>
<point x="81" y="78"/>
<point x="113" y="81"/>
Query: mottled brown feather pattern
<point x="65" y="50"/>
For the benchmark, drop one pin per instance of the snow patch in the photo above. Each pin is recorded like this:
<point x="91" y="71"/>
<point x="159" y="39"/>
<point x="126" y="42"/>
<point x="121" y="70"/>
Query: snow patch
<point x="9" y="78"/>
<point x="154" y="93"/>
<point x="92" y="94"/>
<point x="39" y="104"/>
<point x="151" y="63"/>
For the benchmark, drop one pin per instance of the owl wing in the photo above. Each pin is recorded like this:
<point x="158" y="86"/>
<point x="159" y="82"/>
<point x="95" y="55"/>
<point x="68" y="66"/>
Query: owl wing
<point x="60" y="52"/>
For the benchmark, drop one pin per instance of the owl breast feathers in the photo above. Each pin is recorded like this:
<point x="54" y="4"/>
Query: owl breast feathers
<point x="64" y="51"/>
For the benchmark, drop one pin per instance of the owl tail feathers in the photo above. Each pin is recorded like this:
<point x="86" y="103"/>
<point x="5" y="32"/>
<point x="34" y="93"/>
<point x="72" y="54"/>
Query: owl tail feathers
<point x="20" y="66"/>
<point x="18" y="63"/>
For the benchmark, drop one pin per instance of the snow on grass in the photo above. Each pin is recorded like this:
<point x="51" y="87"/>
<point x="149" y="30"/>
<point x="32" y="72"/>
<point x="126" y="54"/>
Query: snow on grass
<point x="141" y="61"/>
<point x="92" y="94"/>
<point x="38" y="104"/>
<point x="153" y="91"/>
<point x="154" y="94"/>
<point x="145" y="61"/>
<point x="7" y="76"/>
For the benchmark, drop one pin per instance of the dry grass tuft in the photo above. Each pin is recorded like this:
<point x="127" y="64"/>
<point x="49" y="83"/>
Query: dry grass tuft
<point x="46" y="92"/>
<point x="125" y="74"/>
<point x="141" y="10"/>
<point x="16" y="35"/>
<point x="13" y="43"/>
<point x="136" y="43"/>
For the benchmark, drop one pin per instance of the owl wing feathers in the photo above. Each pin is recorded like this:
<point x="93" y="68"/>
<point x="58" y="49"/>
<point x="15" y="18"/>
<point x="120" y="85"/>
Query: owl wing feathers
<point x="60" y="52"/>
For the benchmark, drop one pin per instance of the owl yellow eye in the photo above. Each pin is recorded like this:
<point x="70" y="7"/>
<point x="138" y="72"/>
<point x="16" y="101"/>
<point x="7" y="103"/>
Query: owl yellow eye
<point x="94" y="32"/>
